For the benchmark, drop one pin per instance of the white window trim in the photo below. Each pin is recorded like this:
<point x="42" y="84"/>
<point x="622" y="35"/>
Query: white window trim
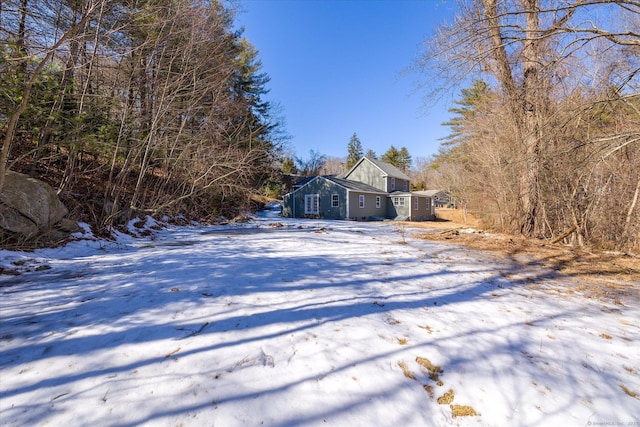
<point x="335" y="200"/>
<point x="378" y="202"/>
<point x="361" y="201"/>
<point x="417" y="204"/>
<point x="311" y="204"/>
<point x="393" y="184"/>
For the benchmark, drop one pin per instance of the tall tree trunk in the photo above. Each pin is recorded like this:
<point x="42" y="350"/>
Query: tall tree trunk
<point x="632" y="206"/>
<point x="523" y="103"/>
<point x="531" y="114"/>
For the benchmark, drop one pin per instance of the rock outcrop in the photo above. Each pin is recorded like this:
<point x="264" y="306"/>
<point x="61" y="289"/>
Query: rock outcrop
<point x="30" y="211"/>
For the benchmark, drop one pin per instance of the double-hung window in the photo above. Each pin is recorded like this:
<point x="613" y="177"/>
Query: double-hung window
<point x="361" y="201"/>
<point x="416" y="204"/>
<point x="398" y="201"/>
<point x="335" y="200"/>
<point x="378" y="199"/>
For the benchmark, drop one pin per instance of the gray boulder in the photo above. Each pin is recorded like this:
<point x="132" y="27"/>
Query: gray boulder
<point x="29" y="207"/>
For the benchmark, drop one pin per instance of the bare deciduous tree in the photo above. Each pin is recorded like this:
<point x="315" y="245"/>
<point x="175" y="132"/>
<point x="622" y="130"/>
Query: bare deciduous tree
<point x="543" y="145"/>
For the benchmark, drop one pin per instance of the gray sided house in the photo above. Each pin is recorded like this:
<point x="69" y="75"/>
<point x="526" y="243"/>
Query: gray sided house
<point x="380" y="175"/>
<point x="441" y="198"/>
<point x="334" y="198"/>
<point x="371" y="190"/>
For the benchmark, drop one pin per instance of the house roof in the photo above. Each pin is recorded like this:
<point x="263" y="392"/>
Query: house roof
<point x="354" y="185"/>
<point x="402" y="193"/>
<point x="432" y="193"/>
<point x="300" y="181"/>
<point x="386" y="168"/>
<point x="428" y="193"/>
<point x="344" y="183"/>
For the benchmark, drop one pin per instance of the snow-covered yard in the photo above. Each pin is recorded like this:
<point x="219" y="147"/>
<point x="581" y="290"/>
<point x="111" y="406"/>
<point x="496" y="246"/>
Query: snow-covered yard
<point x="308" y="323"/>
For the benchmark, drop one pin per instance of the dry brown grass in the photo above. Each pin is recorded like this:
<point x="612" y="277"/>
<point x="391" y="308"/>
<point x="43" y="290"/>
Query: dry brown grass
<point x="428" y="389"/>
<point x="613" y="276"/>
<point x="406" y="371"/>
<point x="446" y="398"/>
<point x="458" y="216"/>
<point x="426" y="363"/>
<point x="433" y="371"/>
<point x="629" y="392"/>
<point x="463" y="411"/>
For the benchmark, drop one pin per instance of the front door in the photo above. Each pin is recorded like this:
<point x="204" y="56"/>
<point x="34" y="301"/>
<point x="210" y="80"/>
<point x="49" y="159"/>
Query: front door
<point x="311" y="202"/>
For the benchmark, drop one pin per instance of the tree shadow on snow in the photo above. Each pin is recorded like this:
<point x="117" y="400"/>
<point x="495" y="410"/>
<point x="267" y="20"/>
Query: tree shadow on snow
<point x="147" y="295"/>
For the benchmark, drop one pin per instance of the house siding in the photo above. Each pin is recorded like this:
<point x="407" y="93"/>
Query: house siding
<point x="361" y="214"/>
<point x="423" y="213"/>
<point x="369" y="174"/>
<point x="400" y="184"/>
<point x="294" y="202"/>
<point x="394" y="211"/>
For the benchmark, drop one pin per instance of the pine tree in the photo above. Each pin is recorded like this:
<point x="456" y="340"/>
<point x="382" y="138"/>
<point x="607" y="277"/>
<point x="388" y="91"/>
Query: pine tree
<point x="370" y="154"/>
<point x="289" y="166"/>
<point x="468" y="106"/>
<point x="404" y="158"/>
<point x="398" y="158"/>
<point x="354" y="150"/>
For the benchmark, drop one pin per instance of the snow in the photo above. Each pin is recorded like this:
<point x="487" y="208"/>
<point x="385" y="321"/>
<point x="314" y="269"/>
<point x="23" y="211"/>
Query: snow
<point x="282" y="322"/>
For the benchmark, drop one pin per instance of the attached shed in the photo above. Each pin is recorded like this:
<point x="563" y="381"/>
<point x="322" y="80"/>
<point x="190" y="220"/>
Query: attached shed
<point x="410" y="207"/>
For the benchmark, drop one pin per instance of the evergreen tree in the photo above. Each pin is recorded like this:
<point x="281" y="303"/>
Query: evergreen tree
<point x="398" y="158"/>
<point x="391" y="156"/>
<point x="468" y="106"/>
<point x="354" y="150"/>
<point x="454" y="146"/>
<point x="370" y="154"/>
<point x="289" y="166"/>
<point x="404" y="158"/>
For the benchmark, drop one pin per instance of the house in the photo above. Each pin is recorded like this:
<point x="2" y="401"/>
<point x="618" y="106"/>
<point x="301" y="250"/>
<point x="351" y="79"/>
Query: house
<point x="370" y="190"/>
<point x="441" y="198"/>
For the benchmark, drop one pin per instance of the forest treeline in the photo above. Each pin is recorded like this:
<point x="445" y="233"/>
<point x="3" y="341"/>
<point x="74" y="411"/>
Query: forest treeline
<point x="131" y="107"/>
<point x="546" y="135"/>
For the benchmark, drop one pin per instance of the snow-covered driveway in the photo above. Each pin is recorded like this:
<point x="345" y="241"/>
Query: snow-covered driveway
<point x="308" y="323"/>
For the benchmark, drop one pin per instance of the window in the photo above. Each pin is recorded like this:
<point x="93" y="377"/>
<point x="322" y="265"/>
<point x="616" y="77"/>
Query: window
<point x="398" y="201"/>
<point x="361" y="200"/>
<point x="393" y="184"/>
<point x="417" y="204"/>
<point x="311" y="204"/>
<point x="335" y="201"/>
<point x="377" y="202"/>
<point x="406" y="185"/>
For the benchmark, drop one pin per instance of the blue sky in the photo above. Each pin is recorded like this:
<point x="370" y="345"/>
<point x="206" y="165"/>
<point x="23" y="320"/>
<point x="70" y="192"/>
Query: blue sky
<point x="340" y="66"/>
